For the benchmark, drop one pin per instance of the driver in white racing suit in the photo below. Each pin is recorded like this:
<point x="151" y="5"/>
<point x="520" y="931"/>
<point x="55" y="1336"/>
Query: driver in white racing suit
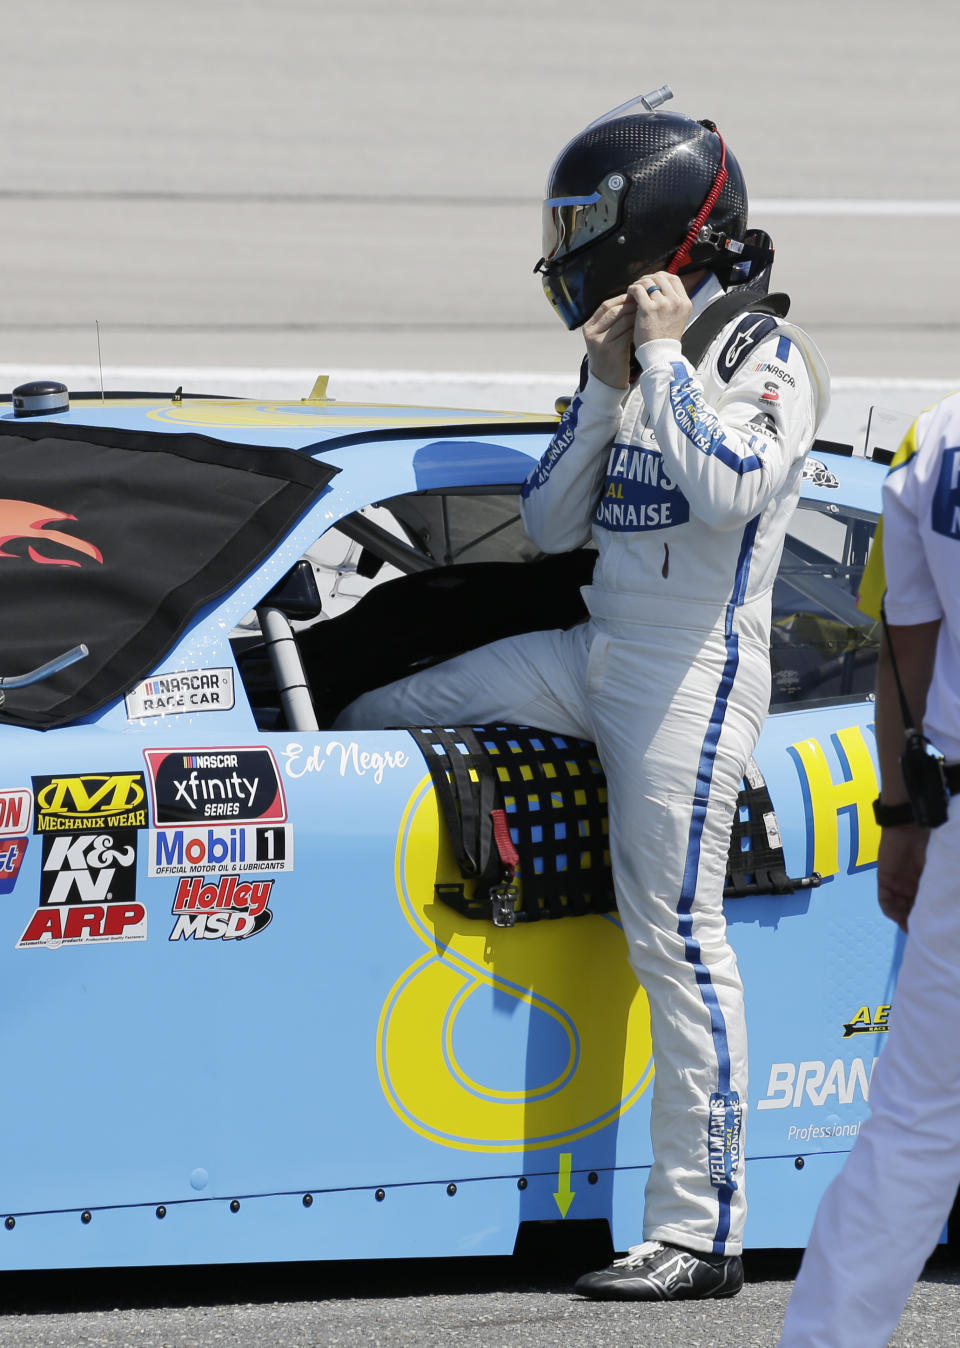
<point x="685" y="479"/>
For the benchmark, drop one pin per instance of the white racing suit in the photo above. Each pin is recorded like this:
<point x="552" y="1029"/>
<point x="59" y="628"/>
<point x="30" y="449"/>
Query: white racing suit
<point x="685" y="484"/>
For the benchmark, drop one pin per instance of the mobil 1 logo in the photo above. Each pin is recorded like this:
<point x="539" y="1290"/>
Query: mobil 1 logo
<point x="88" y="885"/>
<point x="197" y="851"/>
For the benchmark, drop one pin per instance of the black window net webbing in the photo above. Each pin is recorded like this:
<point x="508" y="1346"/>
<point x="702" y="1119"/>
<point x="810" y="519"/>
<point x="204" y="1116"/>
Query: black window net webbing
<point x="554" y="795"/>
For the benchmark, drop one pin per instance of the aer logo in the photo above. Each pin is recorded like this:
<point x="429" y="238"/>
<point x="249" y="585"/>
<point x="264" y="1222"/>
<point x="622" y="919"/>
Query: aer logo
<point x="865" y="1022"/>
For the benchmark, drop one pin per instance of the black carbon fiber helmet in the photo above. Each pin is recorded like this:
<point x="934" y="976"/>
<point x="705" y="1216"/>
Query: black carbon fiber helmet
<point x="638" y="192"/>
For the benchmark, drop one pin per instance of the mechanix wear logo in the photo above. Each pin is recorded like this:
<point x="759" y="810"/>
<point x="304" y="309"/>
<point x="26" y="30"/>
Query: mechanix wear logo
<point x="93" y="800"/>
<point x="227" y="909"/>
<point x="87" y="891"/>
<point x="234" y="786"/>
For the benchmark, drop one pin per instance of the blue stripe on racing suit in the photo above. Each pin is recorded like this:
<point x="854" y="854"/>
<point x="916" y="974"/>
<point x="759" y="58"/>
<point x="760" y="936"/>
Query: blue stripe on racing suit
<point x="725" y="1117"/>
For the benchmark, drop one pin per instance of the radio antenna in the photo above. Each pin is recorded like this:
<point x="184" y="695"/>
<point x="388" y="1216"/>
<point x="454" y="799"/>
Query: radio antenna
<point x="100" y="360"/>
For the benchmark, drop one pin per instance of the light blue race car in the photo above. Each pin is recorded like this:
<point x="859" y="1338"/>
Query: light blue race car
<point x="278" y="992"/>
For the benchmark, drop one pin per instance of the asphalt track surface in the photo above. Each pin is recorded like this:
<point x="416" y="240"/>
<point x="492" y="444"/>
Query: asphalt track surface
<point x="315" y="185"/>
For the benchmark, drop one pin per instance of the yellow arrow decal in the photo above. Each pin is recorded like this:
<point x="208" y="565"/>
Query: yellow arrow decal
<point x="564" y="1195"/>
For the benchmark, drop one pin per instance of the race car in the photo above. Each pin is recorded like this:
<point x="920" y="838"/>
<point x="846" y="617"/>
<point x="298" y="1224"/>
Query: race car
<point x="279" y="992"/>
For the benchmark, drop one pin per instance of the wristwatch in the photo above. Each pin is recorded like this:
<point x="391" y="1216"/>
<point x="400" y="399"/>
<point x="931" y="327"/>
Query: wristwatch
<point x="889" y="816"/>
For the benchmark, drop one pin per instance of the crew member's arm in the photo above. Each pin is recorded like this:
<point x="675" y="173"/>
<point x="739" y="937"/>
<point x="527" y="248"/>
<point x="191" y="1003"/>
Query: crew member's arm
<point x="914" y="614"/>
<point x="903" y="846"/>
<point x="559" y="497"/>
<point x="732" y="458"/>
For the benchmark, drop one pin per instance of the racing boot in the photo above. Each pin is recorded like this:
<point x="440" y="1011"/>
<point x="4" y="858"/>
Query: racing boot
<point x="657" y="1272"/>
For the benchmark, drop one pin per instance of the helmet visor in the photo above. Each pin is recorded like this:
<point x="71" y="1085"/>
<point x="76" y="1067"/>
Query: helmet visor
<point x="570" y="223"/>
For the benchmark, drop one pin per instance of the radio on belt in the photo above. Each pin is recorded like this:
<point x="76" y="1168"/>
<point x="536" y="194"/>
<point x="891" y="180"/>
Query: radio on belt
<point x="41" y="398"/>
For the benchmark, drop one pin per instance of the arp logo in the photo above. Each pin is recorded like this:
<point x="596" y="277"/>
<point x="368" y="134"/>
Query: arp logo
<point x="94" y="800"/>
<point x="85" y="924"/>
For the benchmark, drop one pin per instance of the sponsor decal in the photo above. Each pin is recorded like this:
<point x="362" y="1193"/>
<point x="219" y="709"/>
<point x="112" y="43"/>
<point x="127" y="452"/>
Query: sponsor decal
<point x="765" y="424"/>
<point x="766" y="367"/>
<point x="196" y="851"/>
<point x="87" y="891"/>
<point x="235" y="786"/>
<point x="189" y="690"/>
<point x="637" y="494"/>
<point x="225" y="909"/>
<point x="346" y="757"/>
<point x="770" y="394"/>
<point x="12" y="851"/>
<point x="16" y="810"/>
<point x="88" y="801"/>
<point x="23" y="521"/>
<point x="749" y="331"/>
<point x="815" y="1083"/>
<point x="838" y="783"/>
<point x="724" y="1131"/>
<point x="812" y="1132"/>
<point x="867" y="1022"/>
<point x="817" y="472"/>
<point x="945" y="507"/>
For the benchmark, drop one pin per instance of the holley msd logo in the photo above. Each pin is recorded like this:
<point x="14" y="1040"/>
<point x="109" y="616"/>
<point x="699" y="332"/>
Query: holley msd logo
<point x="225" y="909"/>
<point x="236" y="786"/>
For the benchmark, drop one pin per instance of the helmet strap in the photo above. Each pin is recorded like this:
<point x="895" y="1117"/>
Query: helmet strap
<point x="682" y="256"/>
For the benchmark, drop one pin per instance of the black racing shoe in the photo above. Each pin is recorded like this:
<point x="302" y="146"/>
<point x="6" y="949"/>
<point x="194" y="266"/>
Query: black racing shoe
<point x="656" y="1272"/>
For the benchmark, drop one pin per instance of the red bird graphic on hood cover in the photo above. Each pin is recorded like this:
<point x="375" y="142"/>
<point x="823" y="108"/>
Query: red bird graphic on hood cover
<point x="23" y="519"/>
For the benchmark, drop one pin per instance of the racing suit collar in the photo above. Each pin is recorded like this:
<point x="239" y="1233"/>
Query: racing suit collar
<point x="706" y="292"/>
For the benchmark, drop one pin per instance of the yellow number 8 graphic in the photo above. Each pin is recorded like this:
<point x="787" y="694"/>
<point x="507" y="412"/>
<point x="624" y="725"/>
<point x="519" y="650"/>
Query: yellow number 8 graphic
<point x="506" y="1039"/>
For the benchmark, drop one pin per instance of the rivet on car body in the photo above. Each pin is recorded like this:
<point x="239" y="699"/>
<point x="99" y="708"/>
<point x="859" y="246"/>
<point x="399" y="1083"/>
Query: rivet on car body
<point x="86" y="1217"/>
<point x="308" y="1200"/>
<point x="380" y="1195"/>
<point x="521" y="1183"/>
<point x="799" y="1163"/>
<point x="10" y="1223"/>
<point x="161" y="1212"/>
<point x="451" y="1189"/>
<point x="235" y="1205"/>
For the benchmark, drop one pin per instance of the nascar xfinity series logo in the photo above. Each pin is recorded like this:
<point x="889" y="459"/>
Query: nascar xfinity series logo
<point x="237" y="786"/>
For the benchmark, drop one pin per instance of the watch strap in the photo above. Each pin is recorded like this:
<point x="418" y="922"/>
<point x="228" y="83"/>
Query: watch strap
<point x="889" y="816"/>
